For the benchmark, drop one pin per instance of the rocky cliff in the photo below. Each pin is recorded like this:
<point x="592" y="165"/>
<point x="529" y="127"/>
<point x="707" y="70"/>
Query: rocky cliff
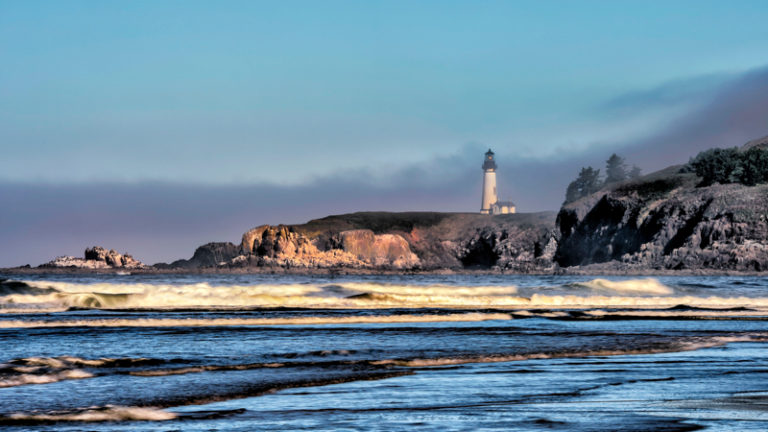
<point x="396" y="241"/>
<point x="664" y="221"/>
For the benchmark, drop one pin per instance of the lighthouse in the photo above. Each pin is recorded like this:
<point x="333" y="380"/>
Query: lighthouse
<point x="490" y="202"/>
<point x="489" y="183"/>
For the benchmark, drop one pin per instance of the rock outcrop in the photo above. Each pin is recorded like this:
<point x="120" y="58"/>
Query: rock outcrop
<point x="395" y="241"/>
<point x="111" y="257"/>
<point x="663" y="221"/>
<point x="207" y="255"/>
<point x="287" y="246"/>
<point x="97" y="257"/>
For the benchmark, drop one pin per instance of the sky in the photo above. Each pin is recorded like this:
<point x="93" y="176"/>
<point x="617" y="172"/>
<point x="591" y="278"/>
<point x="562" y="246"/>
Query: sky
<point x="153" y="127"/>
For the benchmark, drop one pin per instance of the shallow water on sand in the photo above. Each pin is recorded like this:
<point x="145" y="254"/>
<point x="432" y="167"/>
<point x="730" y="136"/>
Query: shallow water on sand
<point x="260" y="352"/>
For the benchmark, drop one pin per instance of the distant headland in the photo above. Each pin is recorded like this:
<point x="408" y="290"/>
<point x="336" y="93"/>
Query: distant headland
<point x="708" y="216"/>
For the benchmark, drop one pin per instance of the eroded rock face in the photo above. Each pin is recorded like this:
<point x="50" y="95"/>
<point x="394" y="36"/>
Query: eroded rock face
<point x="284" y="246"/>
<point x="668" y="223"/>
<point x="252" y="239"/>
<point x="518" y="243"/>
<point x="382" y="250"/>
<point x="401" y="241"/>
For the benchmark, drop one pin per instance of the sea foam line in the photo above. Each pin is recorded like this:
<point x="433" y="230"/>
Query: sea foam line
<point x="100" y="414"/>
<point x="216" y="322"/>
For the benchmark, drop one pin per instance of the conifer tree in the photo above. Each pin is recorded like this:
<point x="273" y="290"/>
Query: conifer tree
<point x="615" y="169"/>
<point x="587" y="182"/>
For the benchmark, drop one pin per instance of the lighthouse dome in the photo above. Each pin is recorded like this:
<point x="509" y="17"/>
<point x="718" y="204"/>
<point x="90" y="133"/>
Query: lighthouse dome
<point x="489" y="163"/>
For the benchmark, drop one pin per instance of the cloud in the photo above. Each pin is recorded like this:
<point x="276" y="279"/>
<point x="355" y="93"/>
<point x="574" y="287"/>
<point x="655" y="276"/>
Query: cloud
<point x="165" y="221"/>
<point x="672" y="93"/>
<point x="735" y="112"/>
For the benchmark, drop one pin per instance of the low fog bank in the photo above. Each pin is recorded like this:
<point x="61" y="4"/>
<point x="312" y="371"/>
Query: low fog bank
<point x="163" y="222"/>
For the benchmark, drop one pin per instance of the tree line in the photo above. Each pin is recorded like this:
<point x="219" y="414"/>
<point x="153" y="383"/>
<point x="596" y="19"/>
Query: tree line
<point x="589" y="180"/>
<point x="730" y="165"/>
<point x="717" y="165"/>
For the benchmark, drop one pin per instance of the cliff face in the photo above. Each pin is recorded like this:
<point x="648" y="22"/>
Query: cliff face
<point x="663" y="221"/>
<point x="401" y="241"/>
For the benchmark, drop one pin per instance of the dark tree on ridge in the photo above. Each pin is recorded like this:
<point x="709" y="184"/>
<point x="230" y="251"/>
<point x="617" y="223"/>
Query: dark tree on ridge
<point x="615" y="169"/>
<point x="588" y="182"/>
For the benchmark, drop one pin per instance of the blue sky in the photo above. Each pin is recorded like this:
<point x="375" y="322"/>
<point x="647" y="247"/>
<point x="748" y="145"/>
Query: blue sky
<point x="287" y="103"/>
<point x="221" y="92"/>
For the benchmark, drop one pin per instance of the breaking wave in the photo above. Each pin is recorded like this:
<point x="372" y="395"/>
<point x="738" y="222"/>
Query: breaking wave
<point x="640" y="286"/>
<point x="51" y="296"/>
<point x="648" y="293"/>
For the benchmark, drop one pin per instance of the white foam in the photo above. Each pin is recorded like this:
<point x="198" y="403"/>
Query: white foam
<point x="108" y="413"/>
<point x="639" y="286"/>
<point x="598" y="293"/>
<point x="310" y="320"/>
<point x="204" y="295"/>
<point x="645" y="302"/>
<point x="27" y="379"/>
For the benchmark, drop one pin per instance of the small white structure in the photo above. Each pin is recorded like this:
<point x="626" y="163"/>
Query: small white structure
<point x="490" y="202"/>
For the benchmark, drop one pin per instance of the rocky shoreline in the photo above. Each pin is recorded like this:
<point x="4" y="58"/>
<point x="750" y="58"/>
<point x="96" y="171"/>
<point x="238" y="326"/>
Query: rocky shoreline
<point x="590" y="270"/>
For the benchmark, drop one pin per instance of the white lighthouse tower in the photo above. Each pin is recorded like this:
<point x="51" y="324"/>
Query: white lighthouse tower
<point x="489" y="183"/>
<point x="491" y="203"/>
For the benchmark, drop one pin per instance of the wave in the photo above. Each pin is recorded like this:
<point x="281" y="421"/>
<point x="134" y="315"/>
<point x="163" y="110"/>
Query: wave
<point x="644" y="302"/>
<point x="207" y="368"/>
<point x="58" y="296"/>
<point x="639" y="286"/>
<point x="649" y="293"/>
<point x="214" y="322"/>
<point x="101" y="414"/>
<point x="45" y="378"/>
<point x="678" y="346"/>
<point x="359" y="364"/>
<point x="46" y="370"/>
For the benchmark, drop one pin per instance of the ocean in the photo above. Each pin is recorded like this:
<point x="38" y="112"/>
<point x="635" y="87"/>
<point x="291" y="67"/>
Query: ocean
<point x="411" y="352"/>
